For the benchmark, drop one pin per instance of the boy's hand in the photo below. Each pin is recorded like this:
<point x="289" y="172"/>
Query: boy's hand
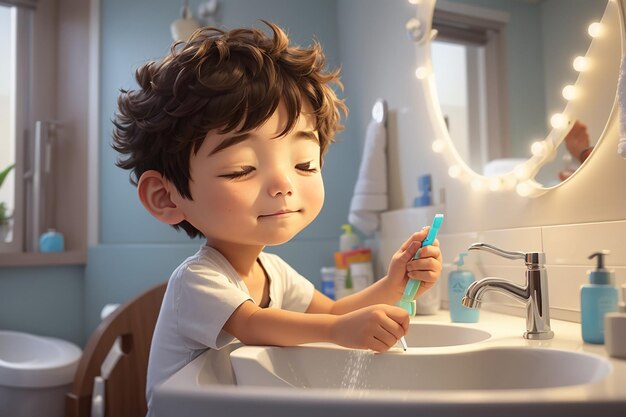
<point x="376" y="327"/>
<point x="426" y="269"/>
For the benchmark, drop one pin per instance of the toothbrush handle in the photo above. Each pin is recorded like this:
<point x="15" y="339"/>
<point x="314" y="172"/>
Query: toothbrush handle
<point x="411" y="289"/>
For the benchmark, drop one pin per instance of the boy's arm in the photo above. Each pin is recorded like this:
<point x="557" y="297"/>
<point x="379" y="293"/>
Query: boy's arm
<point x="376" y="327"/>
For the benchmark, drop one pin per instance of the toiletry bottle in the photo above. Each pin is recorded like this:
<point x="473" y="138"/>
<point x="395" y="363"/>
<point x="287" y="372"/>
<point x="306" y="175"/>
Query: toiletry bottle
<point x="596" y="299"/>
<point x="348" y="245"/>
<point x="348" y="240"/>
<point x="424" y="185"/>
<point x="51" y="241"/>
<point x="328" y="281"/>
<point x="458" y="281"/>
<point x="615" y="330"/>
<point x="343" y="277"/>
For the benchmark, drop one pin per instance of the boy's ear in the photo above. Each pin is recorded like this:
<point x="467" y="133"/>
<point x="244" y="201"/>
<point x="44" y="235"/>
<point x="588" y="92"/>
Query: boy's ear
<point x="154" y="193"/>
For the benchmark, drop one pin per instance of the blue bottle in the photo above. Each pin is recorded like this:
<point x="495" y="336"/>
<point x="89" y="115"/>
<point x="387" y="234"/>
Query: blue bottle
<point x="458" y="281"/>
<point x="51" y="241"/>
<point x="596" y="299"/>
<point x="425" y="187"/>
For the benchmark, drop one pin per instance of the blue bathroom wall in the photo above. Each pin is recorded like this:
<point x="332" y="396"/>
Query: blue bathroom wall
<point x="46" y="301"/>
<point x="135" y="250"/>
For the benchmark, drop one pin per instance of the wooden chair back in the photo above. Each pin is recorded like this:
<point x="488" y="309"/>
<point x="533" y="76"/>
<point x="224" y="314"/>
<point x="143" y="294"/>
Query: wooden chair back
<point x="125" y="387"/>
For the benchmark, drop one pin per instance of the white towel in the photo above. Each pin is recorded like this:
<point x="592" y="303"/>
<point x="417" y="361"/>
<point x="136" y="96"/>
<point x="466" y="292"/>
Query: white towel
<point x="370" y="191"/>
<point x="621" y="94"/>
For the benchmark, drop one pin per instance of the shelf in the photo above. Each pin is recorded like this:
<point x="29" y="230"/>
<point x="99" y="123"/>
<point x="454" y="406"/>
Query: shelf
<point x="72" y="257"/>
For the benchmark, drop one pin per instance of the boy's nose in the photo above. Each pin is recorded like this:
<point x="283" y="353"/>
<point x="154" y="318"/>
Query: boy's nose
<point x="280" y="184"/>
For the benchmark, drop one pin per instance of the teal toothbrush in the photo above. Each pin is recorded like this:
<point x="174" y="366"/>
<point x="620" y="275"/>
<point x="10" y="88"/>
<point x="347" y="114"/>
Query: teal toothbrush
<point x="408" y="297"/>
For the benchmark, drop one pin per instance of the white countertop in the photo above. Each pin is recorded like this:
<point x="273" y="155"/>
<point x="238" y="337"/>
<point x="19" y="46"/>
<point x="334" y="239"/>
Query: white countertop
<point x="208" y="384"/>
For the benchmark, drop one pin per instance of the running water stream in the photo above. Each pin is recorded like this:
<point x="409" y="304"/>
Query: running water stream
<point x="356" y="363"/>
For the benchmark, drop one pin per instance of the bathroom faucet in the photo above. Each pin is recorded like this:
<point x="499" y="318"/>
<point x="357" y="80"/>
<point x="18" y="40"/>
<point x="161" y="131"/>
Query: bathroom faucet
<point x="534" y="293"/>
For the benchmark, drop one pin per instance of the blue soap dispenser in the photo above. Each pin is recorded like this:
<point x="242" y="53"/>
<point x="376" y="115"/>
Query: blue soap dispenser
<point x="596" y="299"/>
<point x="458" y="281"/>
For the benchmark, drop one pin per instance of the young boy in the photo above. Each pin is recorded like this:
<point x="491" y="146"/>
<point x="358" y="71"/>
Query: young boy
<point x="225" y="138"/>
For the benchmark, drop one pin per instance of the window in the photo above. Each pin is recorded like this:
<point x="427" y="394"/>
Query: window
<point x="469" y="59"/>
<point x="15" y="32"/>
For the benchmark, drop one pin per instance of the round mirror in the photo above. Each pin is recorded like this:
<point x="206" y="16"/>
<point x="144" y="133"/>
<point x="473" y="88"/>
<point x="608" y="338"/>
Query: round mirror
<point x="524" y="91"/>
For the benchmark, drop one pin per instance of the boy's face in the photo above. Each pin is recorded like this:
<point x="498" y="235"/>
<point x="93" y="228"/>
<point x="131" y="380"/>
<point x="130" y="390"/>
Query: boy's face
<point x="256" y="189"/>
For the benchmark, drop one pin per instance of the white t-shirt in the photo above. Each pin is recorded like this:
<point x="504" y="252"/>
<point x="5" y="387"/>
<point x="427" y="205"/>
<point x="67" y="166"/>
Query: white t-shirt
<point x="201" y="295"/>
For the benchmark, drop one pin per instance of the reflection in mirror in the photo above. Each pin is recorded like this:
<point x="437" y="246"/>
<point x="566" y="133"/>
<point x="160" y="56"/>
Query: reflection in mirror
<point x="505" y="80"/>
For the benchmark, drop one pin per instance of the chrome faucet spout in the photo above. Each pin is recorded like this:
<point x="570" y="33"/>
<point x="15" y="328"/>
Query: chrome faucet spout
<point x="534" y="292"/>
<point x="475" y="291"/>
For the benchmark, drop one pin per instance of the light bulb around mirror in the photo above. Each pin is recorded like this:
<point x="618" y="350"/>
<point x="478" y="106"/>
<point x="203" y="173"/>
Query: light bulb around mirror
<point x="415" y="1"/>
<point x="421" y="73"/>
<point x="538" y="148"/>
<point x="558" y="120"/>
<point x="438" y="146"/>
<point x="455" y="171"/>
<point x="569" y="92"/>
<point x="595" y="29"/>
<point x="581" y="64"/>
<point x="477" y="184"/>
<point x="495" y="184"/>
<point x="523" y="189"/>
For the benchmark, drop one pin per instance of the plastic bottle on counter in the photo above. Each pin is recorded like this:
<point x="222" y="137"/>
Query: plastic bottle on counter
<point x="597" y="298"/>
<point x="348" y="240"/>
<point x="328" y="281"/>
<point x="458" y="281"/>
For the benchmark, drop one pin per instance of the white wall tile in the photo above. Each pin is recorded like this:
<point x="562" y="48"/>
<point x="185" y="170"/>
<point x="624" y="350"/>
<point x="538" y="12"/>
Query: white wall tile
<point x="572" y="244"/>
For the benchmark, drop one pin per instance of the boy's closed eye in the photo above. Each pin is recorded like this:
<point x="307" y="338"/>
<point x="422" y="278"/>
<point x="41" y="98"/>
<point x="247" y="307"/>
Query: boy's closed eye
<point x="307" y="167"/>
<point x="243" y="172"/>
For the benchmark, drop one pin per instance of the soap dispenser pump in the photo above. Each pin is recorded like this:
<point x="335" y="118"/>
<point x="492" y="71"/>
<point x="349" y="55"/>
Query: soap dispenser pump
<point x="597" y="298"/>
<point x="458" y="281"/>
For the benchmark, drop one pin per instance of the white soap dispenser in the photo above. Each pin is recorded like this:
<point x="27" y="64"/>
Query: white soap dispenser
<point x="348" y="240"/>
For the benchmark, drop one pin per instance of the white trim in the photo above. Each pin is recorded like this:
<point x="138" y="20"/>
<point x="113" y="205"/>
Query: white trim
<point x="93" y="189"/>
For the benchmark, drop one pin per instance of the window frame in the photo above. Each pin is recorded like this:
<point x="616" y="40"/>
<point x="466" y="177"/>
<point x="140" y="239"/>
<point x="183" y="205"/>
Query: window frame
<point x="63" y="91"/>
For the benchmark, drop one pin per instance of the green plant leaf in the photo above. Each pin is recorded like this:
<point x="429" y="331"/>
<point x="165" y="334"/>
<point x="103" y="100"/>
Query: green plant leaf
<point x="5" y="172"/>
<point x="3" y="214"/>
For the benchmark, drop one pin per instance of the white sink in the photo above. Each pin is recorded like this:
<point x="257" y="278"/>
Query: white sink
<point x="489" y="368"/>
<point x="466" y="371"/>
<point x="435" y="334"/>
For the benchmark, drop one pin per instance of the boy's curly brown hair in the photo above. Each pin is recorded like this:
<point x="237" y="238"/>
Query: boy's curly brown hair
<point x="229" y="81"/>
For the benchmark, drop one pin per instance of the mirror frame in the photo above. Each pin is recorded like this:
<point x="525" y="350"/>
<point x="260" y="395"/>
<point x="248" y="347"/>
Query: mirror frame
<point x="522" y="178"/>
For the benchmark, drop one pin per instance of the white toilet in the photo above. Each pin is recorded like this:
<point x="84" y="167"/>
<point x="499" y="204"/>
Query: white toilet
<point x="35" y="374"/>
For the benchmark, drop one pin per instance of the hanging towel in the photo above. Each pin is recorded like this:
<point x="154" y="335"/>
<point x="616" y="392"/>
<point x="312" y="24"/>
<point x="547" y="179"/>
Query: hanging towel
<point x="621" y="92"/>
<point x="370" y="191"/>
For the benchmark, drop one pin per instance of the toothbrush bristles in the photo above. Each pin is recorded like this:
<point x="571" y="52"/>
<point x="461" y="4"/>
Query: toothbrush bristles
<point x="403" y="343"/>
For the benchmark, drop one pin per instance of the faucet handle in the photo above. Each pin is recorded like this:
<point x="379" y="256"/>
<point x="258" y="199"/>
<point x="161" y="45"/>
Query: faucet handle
<point x="530" y="258"/>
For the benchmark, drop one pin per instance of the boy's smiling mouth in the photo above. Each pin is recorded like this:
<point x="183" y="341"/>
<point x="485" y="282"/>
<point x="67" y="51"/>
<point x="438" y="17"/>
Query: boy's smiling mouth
<point x="280" y="213"/>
